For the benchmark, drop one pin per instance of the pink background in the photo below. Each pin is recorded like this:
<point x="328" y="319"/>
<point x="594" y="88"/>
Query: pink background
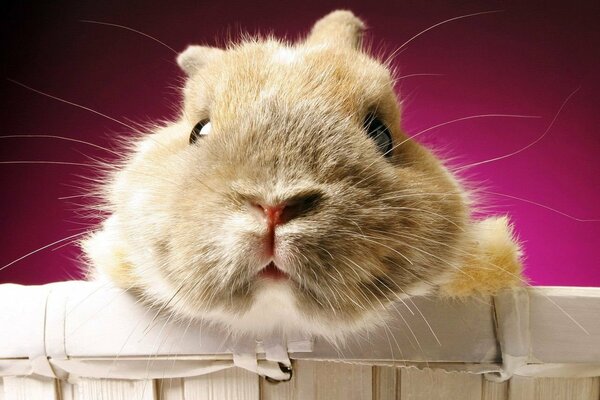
<point x="525" y="60"/>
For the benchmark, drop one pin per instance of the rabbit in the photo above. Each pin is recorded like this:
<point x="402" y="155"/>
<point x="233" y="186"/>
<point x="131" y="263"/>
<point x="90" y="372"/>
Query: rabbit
<point x="286" y="197"/>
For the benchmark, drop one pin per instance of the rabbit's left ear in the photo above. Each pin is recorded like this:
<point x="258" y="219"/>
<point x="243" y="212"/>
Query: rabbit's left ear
<point x="195" y="57"/>
<point x="338" y="28"/>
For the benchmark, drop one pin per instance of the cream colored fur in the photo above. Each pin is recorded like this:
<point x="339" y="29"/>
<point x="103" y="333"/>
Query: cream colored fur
<point x="493" y="264"/>
<point x="288" y="119"/>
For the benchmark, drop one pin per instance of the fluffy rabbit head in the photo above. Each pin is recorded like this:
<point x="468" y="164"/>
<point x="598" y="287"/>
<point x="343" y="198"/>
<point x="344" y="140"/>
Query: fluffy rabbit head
<point x="287" y="196"/>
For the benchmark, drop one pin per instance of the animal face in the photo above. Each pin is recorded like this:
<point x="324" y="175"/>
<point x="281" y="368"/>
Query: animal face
<point x="286" y="196"/>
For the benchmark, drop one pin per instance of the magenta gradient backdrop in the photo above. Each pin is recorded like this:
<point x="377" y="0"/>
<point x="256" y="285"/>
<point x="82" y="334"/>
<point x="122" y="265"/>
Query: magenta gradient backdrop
<point x="524" y="60"/>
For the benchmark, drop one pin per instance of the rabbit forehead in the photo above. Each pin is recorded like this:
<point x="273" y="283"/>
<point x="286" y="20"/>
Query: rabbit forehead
<point x="338" y="79"/>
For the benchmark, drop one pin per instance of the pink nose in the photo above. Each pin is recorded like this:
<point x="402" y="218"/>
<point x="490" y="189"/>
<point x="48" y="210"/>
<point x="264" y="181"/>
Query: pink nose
<point x="287" y="210"/>
<point x="274" y="214"/>
<point x="282" y="212"/>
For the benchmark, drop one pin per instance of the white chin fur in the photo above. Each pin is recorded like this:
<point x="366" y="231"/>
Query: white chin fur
<point x="274" y="312"/>
<point x="274" y="309"/>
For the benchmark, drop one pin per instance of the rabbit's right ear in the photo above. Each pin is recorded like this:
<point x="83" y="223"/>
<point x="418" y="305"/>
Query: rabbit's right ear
<point x="338" y="28"/>
<point x="195" y="57"/>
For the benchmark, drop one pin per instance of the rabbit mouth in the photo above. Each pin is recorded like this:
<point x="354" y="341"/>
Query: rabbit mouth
<point x="272" y="272"/>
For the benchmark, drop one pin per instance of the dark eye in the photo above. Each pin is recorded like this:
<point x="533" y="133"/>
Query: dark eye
<point x="202" y="128"/>
<point x="380" y="134"/>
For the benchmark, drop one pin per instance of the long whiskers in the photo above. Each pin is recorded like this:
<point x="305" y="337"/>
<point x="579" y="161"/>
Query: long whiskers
<point x="465" y="119"/>
<point x="470" y="117"/>
<point x="71" y="103"/>
<point x="446" y="21"/>
<point x="87" y="21"/>
<point x="46" y="162"/>
<point x="44" y="247"/>
<point x="528" y="145"/>
<point x="543" y="206"/>
<point x="65" y="138"/>
<point x="415" y="75"/>
<point x="403" y="45"/>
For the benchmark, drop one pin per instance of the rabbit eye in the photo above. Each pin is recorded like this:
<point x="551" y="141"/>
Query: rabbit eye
<point x="380" y="134"/>
<point x="202" y="128"/>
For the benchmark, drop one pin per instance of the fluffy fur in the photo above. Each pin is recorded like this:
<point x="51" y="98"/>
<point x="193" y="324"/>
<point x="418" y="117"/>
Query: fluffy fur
<point x="288" y="120"/>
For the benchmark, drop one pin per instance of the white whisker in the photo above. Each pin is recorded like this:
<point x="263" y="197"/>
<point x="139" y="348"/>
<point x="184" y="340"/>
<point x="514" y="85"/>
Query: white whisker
<point x="87" y="21"/>
<point x="44" y="247"/>
<point x="60" y="138"/>
<point x="46" y="162"/>
<point x="445" y="22"/>
<point x="415" y="75"/>
<point x="71" y="103"/>
<point x="543" y="206"/>
<point x="466" y="119"/>
<point x="528" y="145"/>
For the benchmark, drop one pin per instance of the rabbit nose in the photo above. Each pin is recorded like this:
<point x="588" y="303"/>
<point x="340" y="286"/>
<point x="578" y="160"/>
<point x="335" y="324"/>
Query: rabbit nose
<point x="289" y="209"/>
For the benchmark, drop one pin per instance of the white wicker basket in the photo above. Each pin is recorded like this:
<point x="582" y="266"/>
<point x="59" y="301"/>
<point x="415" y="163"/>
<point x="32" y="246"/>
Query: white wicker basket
<point x="83" y="340"/>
